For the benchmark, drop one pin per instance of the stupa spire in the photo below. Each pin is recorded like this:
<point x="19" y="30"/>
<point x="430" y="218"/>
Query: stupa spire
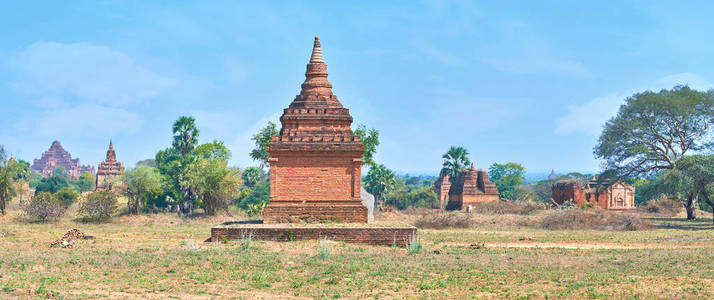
<point x="111" y="146"/>
<point x="317" y="52"/>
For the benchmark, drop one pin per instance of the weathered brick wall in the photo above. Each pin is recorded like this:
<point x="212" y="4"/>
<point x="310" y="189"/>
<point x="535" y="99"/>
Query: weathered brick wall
<point x="313" y="179"/>
<point x="313" y="213"/>
<point x="372" y="236"/>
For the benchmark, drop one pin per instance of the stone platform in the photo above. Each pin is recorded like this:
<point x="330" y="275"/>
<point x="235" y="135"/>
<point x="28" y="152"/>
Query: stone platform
<point x="372" y="234"/>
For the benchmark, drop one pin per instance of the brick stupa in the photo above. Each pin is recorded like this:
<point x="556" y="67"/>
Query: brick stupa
<point x="315" y="162"/>
<point x="108" y="169"/>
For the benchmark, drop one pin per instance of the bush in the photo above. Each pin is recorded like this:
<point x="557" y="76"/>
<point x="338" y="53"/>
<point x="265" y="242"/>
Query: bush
<point x="99" y="205"/>
<point x="260" y="194"/>
<point x="598" y="219"/>
<point x="67" y="195"/>
<point x="506" y="208"/>
<point x="420" y="197"/>
<point x="43" y="207"/>
<point x="664" y="206"/>
<point x="451" y="219"/>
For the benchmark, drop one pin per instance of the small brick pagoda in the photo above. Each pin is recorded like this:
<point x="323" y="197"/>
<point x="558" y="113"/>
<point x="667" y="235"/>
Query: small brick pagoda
<point x="108" y="169"/>
<point x="442" y="185"/>
<point x="315" y="162"/>
<point x="606" y="194"/>
<point x="472" y="187"/>
<point x="56" y="157"/>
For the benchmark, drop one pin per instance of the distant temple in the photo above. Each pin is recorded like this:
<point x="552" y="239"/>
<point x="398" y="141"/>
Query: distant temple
<point x="552" y="175"/>
<point x="471" y="187"/>
<point x="614" y="195"/>
<point x="56" y="157"/>
<point x="108" y="170"/>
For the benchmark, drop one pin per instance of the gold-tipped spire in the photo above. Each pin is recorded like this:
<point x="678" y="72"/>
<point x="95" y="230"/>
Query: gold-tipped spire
<point x="317" y="52"/>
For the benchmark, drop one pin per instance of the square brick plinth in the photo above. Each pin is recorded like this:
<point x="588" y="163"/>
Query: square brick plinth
<point x="371" y="234"/>
<point x="314" y="212"/>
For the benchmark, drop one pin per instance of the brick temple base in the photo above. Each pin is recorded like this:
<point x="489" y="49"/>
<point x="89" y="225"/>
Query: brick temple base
<point x="291" y="213"/>
<point x="400" y="236"/>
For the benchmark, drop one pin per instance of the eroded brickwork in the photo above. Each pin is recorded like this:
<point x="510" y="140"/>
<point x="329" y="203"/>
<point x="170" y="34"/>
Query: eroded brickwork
<point x="472" y="187"/>
<point x="617" y="195"/>
<point x="315" y="162"/>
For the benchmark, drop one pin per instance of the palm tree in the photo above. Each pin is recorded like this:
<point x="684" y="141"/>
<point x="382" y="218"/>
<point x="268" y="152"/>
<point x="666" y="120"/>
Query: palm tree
<point x="379" y="181"/>
<point x="455" y="161"/>
<point x="185" y="134"/>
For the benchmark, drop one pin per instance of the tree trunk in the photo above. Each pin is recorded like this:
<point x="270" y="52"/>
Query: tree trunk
<point x="691" y="206"/>
<point x="710" y="202"/>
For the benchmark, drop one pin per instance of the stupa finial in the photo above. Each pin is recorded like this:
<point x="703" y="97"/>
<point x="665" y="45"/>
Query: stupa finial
<point x="317" y="52"/>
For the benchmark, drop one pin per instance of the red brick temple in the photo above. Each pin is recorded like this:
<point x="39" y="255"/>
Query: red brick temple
<point x="108" y="170"/>
<point x="472" y="187"/>
<point x="607" y="194"/>
<point x="315" y="162"/>
<point x="56" y="157"/>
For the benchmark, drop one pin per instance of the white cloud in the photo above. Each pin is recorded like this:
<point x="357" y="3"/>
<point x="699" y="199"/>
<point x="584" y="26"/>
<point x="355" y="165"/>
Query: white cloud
<point x="589" y="117"/>
<point x="242" y="143"/>
<point x="91" y="72"/>
<point x="523" y="51"/>
<point x="88" y="120"/>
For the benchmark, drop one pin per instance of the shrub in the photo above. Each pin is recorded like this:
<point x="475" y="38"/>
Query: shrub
<point x="99" y="205"/>
<point x="255" y="209"/>
<point x="67" y="195"/>
<point x="43" y="207"/>
<point x="414" y="246"/>
<point x="506" y="207"/>
<point x="664" y="206"/>
<point x="420" y="197"/>
<point x="598" y="219"/>
<point x="451" y="219"/>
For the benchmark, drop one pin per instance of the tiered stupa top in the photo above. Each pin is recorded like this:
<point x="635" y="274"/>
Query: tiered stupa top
<point x="316" y="120"/>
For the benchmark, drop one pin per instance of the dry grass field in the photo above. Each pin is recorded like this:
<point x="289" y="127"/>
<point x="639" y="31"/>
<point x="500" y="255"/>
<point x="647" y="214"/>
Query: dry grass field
<point x="162" y="256"/>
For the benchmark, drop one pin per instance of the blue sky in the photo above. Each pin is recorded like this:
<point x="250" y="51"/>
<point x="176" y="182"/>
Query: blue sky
<point x="530" y="82"/>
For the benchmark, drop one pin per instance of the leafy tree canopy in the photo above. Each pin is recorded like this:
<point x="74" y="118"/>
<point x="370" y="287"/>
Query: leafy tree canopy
<point x="507" y="177"/>
<point x="654" y="130"/>
<point x="456" y="160"/>
<point x="262" y="139"/>
<point x="370" y="140"/>
<point x="185" y="134"/>
<point x="379" y="181"/>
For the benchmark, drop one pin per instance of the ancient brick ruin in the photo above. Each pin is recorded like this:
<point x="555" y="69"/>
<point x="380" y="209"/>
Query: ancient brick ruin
<point x="315" y="162"/>
<point x="109" y="170"/>
<point x="470" y="188"/>
<point x="441" y="187"/>
<point x="607" y="194"/>
<point x="56" y="157"/>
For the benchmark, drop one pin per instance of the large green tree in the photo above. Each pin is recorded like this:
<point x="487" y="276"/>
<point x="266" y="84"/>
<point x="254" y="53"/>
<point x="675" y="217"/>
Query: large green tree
<point x="379" y="181"/>
<point x="653" y="130"/>
<point x="142" y="183"/>
<point x="213" y="182"/>
<point x="185" y="134"/>
<point x="507" y="177"/>
<point x="262" y="139"/>
<point x="370" y="140"/>
<point x="251" y="176"/>
<point x="456" y="160"/>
